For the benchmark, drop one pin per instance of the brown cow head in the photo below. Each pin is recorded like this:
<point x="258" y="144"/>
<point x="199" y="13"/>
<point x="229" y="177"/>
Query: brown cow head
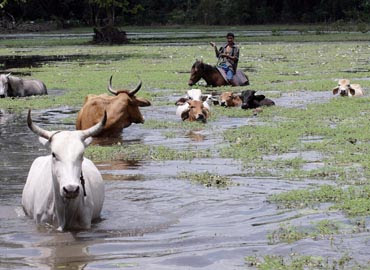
<point x="344" y="88"/>
<point x="195" y="111"/>
<point x="129" y="104"/>
<point x="229" y="99"/>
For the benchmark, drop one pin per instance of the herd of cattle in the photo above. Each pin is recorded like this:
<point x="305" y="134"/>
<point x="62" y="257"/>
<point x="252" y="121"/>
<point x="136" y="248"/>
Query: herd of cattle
<point x="65" y="189"/>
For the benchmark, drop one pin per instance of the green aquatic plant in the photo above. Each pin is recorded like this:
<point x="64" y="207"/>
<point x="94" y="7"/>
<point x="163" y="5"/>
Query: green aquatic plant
<point x="207" y="179"/>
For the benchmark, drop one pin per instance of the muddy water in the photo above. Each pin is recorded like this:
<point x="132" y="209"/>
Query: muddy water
<point x="151" y="219"/>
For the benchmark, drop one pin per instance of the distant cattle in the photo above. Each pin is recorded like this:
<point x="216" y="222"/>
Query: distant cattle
<point x="194" y="106"/>
<point x="344" y="88"/>
<point x="252" y="101"/>
<point x="122" y="110"/>
<point x="230" y="99"/>
<point x="64" y="189"/>
<point x="11" y="86"/>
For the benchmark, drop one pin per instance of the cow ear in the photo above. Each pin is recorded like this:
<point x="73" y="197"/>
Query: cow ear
<point x="44" y="142"/>
<point x="335" y="90"/>
<point x="352" y="91"/>
<point x="142" y="102"/>
<point x="204" y="98"/>
<point x="88" y="141"/>
<point x="7" y="75"/>
<point x="185" y="115"/>
<point x="181" y="101"/>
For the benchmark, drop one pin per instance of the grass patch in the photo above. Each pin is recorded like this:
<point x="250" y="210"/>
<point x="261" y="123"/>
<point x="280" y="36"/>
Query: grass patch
<point x="302" y="262"/>
<point x="353" y="200"/>
<point x="142" y="152"/>
<point x="208" y="179"/>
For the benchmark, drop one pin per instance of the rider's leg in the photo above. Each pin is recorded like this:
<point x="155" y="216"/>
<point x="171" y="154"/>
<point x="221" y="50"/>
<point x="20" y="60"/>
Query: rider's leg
<point x="229" y="76"/>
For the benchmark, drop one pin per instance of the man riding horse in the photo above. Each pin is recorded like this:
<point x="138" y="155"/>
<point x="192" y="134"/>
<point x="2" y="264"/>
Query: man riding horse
<point x="228" y="57"/>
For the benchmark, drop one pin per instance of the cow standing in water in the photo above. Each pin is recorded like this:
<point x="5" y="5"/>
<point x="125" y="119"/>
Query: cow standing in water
<point x="64" y="189"/>
<point x="122" y="110"/>
<point x="11" y="86"/>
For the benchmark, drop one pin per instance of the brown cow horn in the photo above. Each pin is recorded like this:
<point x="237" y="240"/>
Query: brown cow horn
<point x="36" y="129"/>
<point x="96" y="129"/>
<point x="110" y="88"/>
<point x="133" y="92"/>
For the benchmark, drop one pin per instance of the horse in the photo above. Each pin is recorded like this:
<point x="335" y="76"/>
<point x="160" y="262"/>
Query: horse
<point x="213" y="75"/>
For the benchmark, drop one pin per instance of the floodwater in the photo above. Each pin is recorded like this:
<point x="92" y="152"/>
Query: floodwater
<point x="153" y="220"/>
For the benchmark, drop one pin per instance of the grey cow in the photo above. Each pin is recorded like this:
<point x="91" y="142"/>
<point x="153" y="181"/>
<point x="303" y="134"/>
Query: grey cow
<point x="11" y="86"/>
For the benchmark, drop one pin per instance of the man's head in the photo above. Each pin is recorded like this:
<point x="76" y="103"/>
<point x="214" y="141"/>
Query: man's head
<point x="230" y="38"/>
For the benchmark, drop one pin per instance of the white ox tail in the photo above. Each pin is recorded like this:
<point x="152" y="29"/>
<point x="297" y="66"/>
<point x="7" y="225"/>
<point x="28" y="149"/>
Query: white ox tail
<point x="64" y="189"/>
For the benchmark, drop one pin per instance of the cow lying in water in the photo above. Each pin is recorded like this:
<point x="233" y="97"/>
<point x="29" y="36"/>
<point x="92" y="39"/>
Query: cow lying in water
<point x="64" y="189"/>
<point x="344" y="88"/>
<point x="230" y="99"/>
<point x="122" y="110"/>
<point x="252" y="101"/>
<point x="194" y="106"/>
<point x="11" y="86"/>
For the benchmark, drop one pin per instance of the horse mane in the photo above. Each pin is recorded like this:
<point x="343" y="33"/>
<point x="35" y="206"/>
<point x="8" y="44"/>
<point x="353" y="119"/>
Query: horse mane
<point x="206" y="67"/>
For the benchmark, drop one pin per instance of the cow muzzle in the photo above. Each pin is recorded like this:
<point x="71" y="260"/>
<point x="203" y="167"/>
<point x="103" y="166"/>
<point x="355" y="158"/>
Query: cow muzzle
<point x="343" y="93"/>
<point x="201" y="118"/>
<point x="71" y="191"/>
<point x="190" y="83"/>
<point x="245" y="106"/>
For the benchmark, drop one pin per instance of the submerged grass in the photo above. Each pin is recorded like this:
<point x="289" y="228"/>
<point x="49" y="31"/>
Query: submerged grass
<point x="207" y="179"/>
<point x="142" y="152"/>
<point x="302" y="262"/>
<point x="352" y="200"/>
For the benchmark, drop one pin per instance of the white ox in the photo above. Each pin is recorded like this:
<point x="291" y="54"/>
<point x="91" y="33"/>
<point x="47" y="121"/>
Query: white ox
<point x="64" y="189"/>
<point x="345" y="88"/>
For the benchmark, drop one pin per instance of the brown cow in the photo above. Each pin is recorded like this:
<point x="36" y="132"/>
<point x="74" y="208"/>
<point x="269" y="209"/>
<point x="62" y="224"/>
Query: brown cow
<point x="194" y="110"/>
<point x="229" y="99"/>
<point x="344" y="88"/>
<point x="122" y="110"/>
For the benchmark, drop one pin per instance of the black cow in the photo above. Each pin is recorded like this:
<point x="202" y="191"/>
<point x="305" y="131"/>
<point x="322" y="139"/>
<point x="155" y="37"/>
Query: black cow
<point x="252" y="101"/>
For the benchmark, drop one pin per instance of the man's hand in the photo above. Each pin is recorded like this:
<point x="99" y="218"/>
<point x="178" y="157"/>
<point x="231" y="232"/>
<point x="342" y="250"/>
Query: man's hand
<point x="212" y="44"/>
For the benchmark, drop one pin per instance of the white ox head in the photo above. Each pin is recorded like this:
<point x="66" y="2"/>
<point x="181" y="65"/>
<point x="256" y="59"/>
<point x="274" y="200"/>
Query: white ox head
<point x="4" y="84"/>
<point x="67" y="149"/>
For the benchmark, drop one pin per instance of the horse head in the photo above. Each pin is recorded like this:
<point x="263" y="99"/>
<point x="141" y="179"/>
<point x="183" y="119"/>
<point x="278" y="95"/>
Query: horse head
<point x="196" y="72"/>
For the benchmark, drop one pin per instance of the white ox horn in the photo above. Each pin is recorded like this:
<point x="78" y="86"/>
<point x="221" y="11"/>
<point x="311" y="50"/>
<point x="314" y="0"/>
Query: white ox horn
<point x="90" y="132"/>
<point x="96" y="129"/>
<point x="36" y="129"/>
<point x="131" y="93"/>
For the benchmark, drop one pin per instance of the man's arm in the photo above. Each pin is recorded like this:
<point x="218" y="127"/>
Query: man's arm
<point x="216" y="51"/>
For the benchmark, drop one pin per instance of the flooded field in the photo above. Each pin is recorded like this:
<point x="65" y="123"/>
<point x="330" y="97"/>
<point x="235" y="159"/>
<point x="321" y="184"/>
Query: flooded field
<point x="151" y="218"/>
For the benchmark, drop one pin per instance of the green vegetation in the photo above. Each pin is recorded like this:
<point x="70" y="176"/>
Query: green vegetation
<point x="289" y="234"/>
<point x="208" y="179"/>
<point x="301" y="262"/>
<point x="354" y="200"/>
<point x="141" y="152"/>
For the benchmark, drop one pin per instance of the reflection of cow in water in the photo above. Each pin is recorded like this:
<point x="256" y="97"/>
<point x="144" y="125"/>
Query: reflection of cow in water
<point x="213" y="75"/>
